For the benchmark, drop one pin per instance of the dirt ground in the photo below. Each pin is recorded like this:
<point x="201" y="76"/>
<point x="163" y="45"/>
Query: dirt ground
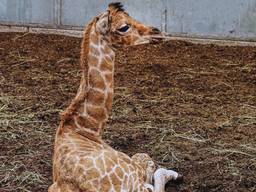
<point x="191" y="107"/>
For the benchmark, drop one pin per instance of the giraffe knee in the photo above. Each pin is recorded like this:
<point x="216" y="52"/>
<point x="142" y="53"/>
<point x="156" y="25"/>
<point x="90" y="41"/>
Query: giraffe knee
<point x="147" y="163"/>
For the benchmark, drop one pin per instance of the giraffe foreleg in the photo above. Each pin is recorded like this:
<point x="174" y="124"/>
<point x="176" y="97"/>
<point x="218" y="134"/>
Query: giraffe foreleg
<point x="162" y="176"/>
<point x="149" y="187"/>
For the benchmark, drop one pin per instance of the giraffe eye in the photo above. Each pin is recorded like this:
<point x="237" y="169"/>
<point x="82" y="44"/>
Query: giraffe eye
<point x="124" y="29"/>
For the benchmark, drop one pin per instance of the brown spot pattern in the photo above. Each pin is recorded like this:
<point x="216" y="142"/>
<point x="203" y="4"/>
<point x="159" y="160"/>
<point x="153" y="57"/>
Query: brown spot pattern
<point x="94" y="51"/>
<point x="106" y="184"/>
<point x="92" y="174"/>
<point x="119" y="172"/>
<point x="96" y="80"/>
<point x="94" y="39"/>
<point x="87" y="122"/>
<point x="95" y="97"/>
<point x="106" y="65"/>
<point x="115" y="181"/>
<point x="92" y="60"/>
<point x="100" y="164"/>
<point x="98" y="113"/>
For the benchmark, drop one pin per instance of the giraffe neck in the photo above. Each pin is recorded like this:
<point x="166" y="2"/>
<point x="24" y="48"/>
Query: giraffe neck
<point x="90" y="109"/>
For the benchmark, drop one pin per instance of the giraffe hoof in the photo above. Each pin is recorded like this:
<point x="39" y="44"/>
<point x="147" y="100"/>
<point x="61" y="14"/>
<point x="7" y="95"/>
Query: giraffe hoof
<point x="179" y="179"/>
<point x="176" y="181"/>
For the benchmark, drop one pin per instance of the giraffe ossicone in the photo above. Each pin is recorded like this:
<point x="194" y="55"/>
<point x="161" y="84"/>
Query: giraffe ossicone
<point x="82" y="161"/>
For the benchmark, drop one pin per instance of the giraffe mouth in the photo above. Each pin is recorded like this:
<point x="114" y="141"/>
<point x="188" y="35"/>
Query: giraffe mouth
<point x="159" y="38"/>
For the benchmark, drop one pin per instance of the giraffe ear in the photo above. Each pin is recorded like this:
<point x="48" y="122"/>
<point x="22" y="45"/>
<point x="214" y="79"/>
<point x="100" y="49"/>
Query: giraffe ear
<point x="103" y="23"/>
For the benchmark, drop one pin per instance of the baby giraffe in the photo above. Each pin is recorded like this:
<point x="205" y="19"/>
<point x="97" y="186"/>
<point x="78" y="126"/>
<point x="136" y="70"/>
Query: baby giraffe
<point x="82" y="162"/>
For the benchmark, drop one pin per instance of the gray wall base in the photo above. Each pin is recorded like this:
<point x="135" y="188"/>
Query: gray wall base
<point x="79" y="34"/>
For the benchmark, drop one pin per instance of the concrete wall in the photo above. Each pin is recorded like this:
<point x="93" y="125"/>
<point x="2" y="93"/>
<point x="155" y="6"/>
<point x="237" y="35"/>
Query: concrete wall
<point x="204" y="18"/>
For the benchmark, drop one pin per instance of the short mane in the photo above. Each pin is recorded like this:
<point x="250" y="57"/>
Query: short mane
<point x="118" y="6"/>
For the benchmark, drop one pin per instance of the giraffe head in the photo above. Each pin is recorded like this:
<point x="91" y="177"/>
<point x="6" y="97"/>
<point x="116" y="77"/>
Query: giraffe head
<point x="118" y="28"/>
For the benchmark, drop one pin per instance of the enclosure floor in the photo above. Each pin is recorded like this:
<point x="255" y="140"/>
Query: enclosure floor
<point x="191" y="107"/>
